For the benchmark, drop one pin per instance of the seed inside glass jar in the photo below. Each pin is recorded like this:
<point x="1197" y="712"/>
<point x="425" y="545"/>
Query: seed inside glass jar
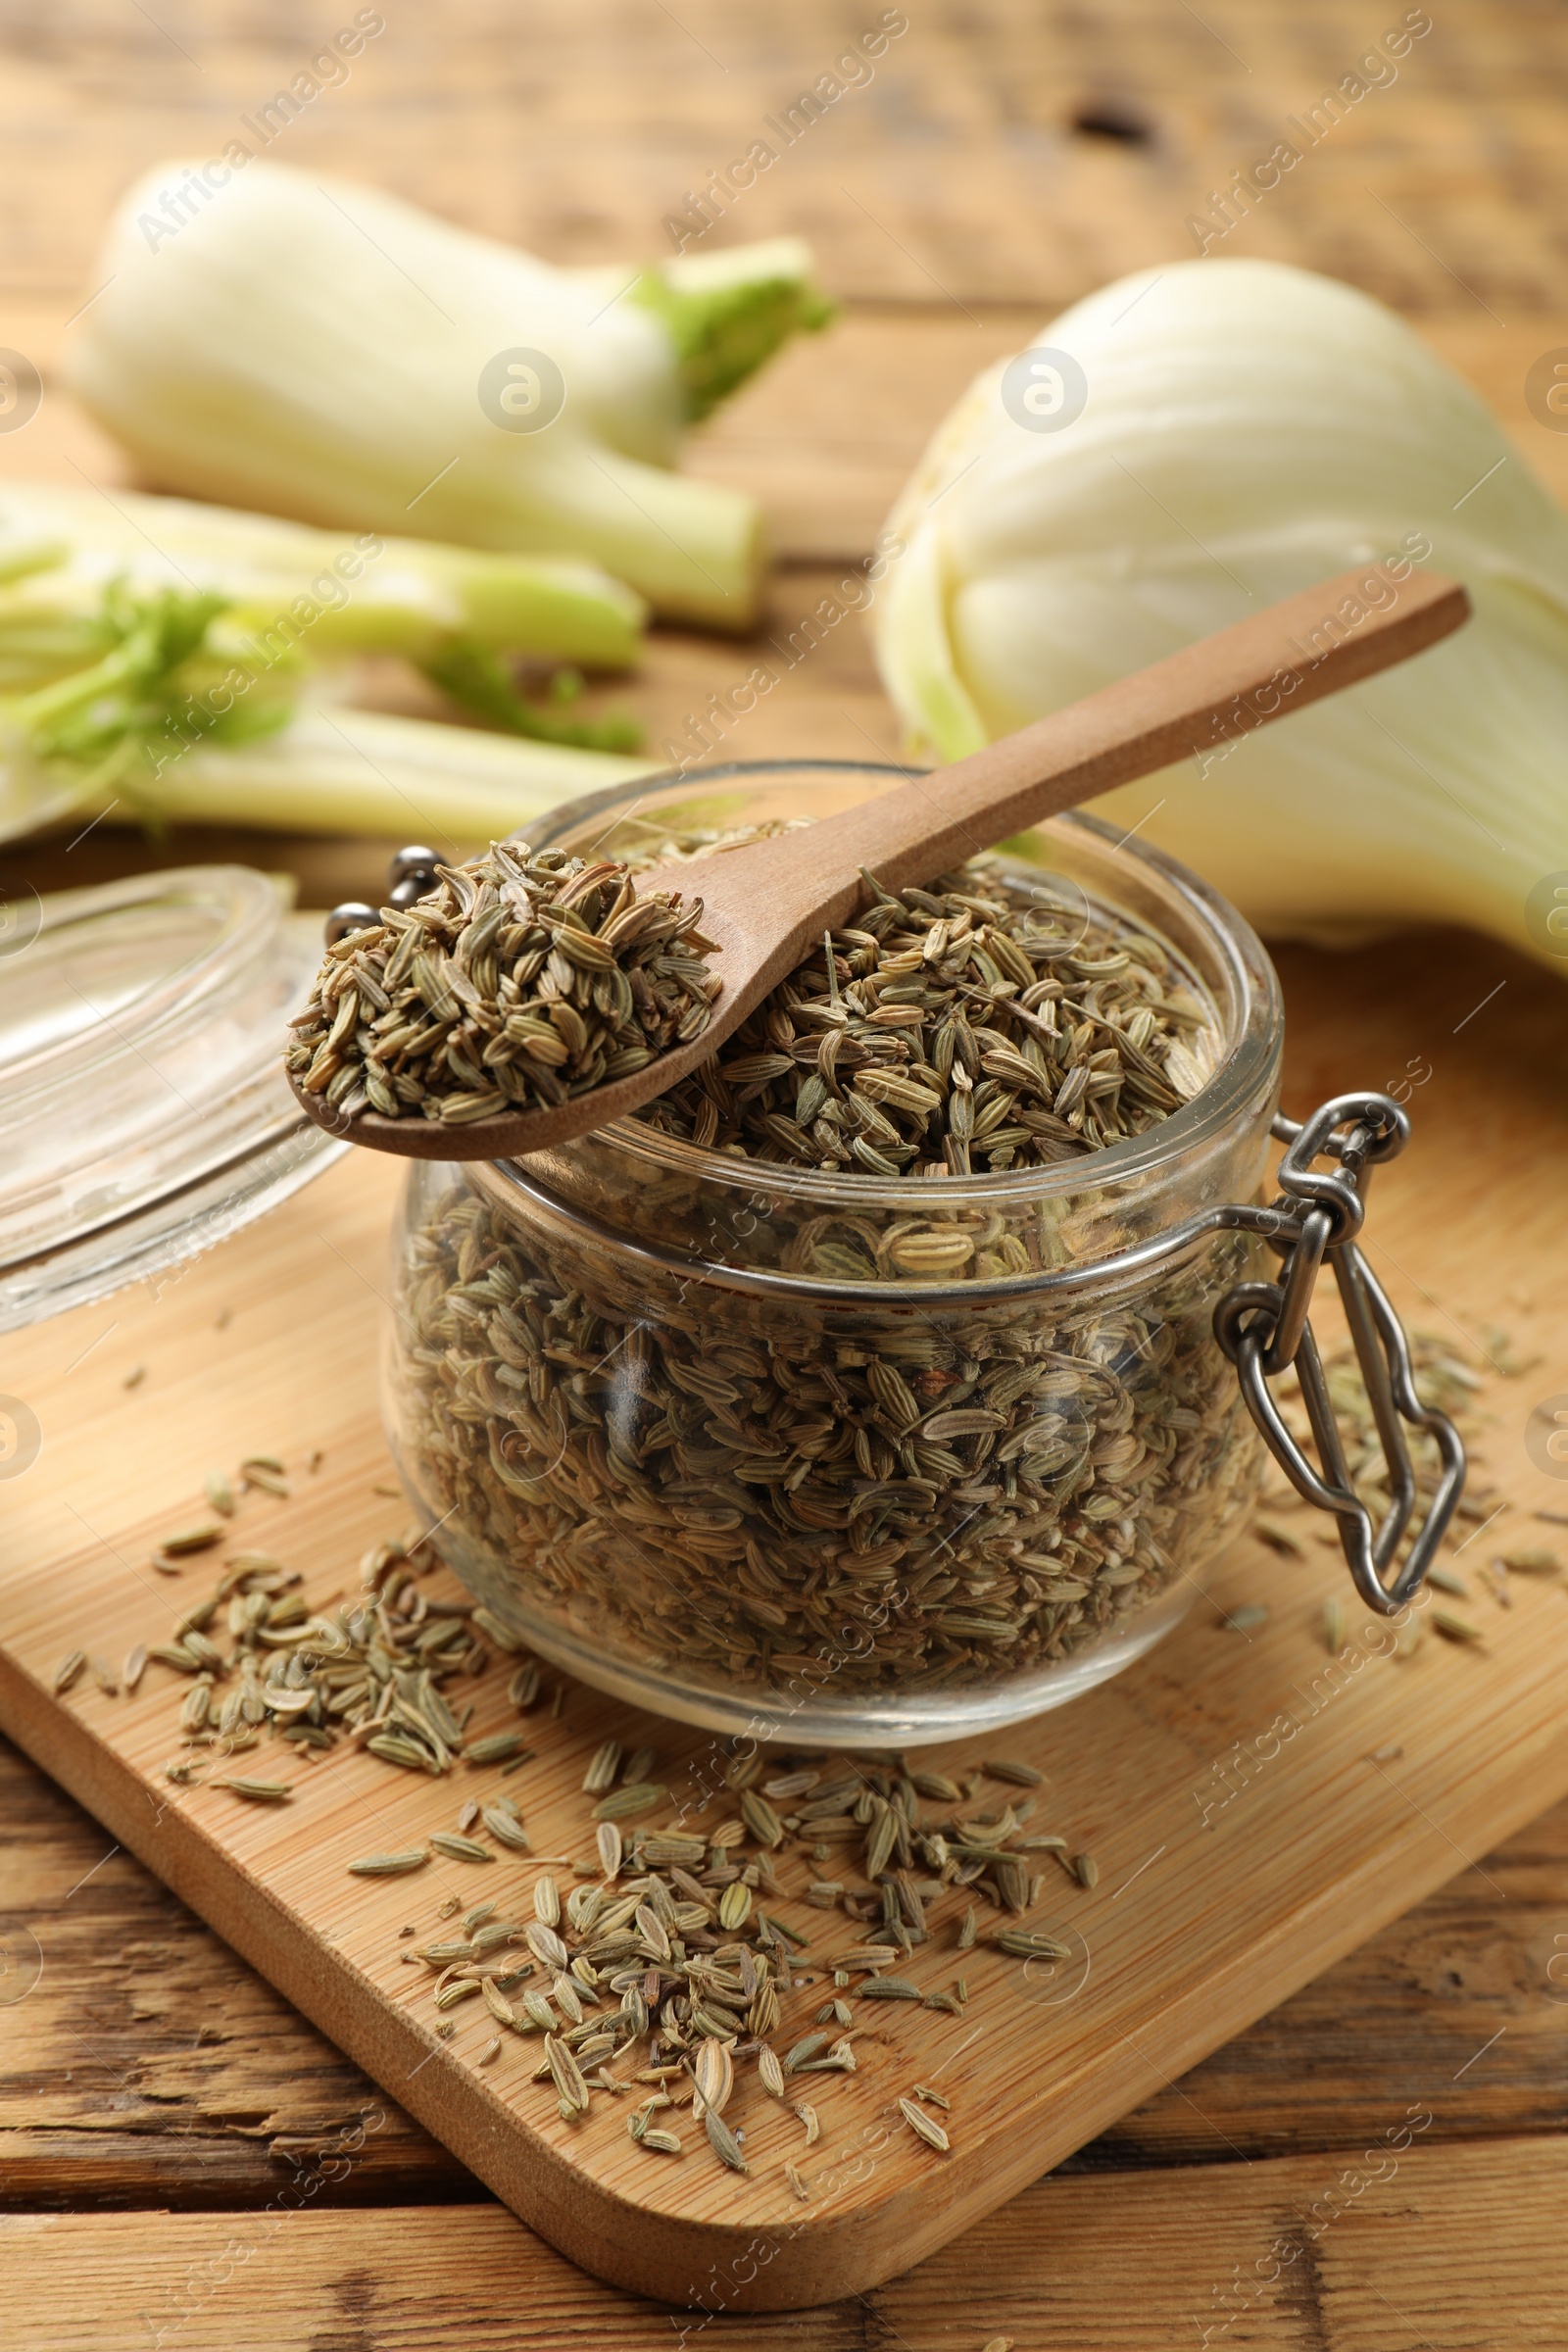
<point x="849" y="1495"/>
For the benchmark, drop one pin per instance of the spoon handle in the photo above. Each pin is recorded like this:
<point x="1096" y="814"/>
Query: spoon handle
<point x="768" y="904"/>
<point x="1262" y="668"/>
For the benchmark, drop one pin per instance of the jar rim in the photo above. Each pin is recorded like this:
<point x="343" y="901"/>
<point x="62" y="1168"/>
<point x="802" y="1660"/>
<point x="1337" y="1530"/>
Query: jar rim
<point x="1252" y="1027"/>
<point x="1163" y="1253"/>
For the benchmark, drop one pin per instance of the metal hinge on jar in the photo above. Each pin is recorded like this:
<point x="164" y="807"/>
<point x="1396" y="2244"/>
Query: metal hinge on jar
<point x="1263" y="1327"/>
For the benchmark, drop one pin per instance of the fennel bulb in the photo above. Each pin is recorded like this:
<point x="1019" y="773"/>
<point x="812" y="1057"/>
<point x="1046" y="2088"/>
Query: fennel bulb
<point x="340" y="771"/>
<point x="323" y="769"/>
<point x="1251" y="428"/>
<point x="325" y="350"/>
<point x="317" y="592"/>
<point x="134" y="631"/>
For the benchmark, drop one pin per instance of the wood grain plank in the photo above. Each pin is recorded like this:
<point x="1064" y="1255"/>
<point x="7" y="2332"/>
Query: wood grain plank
<point x="954" y="172"/>
<point x="151" y="2066"/>
<point x="1219" y="1922"/>
<point x="1300" y="2255"/>
<point x="140" y="2061"/>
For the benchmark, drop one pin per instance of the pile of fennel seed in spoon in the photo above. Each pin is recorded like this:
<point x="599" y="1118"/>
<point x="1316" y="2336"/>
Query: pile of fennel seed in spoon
<point x="521" y="980"/>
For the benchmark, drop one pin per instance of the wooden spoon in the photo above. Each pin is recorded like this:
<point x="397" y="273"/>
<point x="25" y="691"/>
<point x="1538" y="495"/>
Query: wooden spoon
<point x="769" y="905"/>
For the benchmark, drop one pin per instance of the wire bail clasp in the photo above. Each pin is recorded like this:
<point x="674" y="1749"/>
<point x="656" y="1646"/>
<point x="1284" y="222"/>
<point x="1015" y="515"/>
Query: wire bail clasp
<point x="1263" y="1327"/>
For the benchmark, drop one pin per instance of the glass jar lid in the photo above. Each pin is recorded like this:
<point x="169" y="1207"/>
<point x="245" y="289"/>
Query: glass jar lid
<point x="143" y="1106"/>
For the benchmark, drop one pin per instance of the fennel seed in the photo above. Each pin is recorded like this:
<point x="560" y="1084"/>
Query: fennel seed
<point x="656" y="1522"/>
<point x="984" y="1038"/>
<point x="504" y="1826"/>
<point x="1333" y="1625"/>
<point x="200" y="1537"/>
<point x="603" y="1768"/>
<point x="390" y="1865"/>
<point x="723" y="2143"/>
<point x="495" y="1748"/>
<point x="624" y="1805"/>
<point x="923" y="2126"/>
<point x="460" y="1849"/>
<point x="519" y="980"/>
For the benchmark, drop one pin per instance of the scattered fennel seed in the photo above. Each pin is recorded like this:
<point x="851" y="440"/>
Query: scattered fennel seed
<point x="1533" y="1560"/>
<point x="624" y="1805"/>
<point x="495" y="1748"/>
<point x="1023" y="1943"/>
<point x="494" y="1631"/>
<point x="199" y="1537"/>
<point x="923" y="2126"/>
<point x="390" y="1865"/>
<point x="460" y="1849"/>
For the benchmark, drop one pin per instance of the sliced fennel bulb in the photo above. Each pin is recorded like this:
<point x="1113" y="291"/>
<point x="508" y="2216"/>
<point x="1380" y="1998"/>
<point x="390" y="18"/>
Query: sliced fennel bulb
<point x="338" y="770"/>
<point x="332" y="770"/>
<point x="317" y="349"/>
<point x="62" y="547"/>
<point x="1251" y="428"/>
<point x="134" y="632"/>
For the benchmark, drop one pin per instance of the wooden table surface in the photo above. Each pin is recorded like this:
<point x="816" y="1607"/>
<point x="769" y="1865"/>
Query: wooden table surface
<point x="172" y="2135"/>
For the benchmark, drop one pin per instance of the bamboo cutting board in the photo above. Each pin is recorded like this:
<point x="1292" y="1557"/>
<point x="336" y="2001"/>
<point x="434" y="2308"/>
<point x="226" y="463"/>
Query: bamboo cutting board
<point x="1255" y="1807"/>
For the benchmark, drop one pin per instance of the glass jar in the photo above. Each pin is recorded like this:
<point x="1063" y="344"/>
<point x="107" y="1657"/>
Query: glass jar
<point x="844" y="1459"/>
<point x="142" y="1099"/>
